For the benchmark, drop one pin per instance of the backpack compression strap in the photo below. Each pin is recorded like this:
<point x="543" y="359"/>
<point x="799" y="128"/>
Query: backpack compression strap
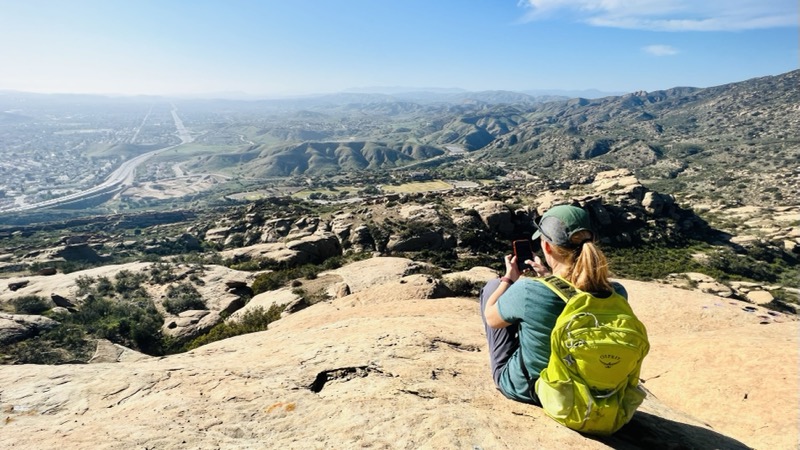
<point x="560" y="286"/>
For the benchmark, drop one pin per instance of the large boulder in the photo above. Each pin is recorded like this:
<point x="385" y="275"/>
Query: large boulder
<point x="619" y="182"/>
<point x="18" y="327"/>
<point x="426" y="213"/>
<point x="265" y="301"/>
<point x="362" y="275"/>
<point x="494" y="214"/>
<point x="317" y="247"/>
<point x="190" y="324"/>
<point x="478" y="275"/>
<point x="109" y="352"/>
<point x="275" y="251"/>
<point x="77" y="252"/>
<point x="427" y="240"/>
<point x="218" y="234"/>
<point x="361" y="240"/>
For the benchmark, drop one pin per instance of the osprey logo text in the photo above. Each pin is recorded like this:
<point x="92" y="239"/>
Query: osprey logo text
<point x="609" y="360"/>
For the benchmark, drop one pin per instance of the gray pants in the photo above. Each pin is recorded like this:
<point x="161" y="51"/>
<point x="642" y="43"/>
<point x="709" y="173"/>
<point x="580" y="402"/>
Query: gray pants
<point x="503" y="342"/>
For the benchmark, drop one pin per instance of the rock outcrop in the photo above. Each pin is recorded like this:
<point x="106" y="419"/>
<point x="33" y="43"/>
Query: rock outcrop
<point x="17" y="327"/>
<point x="222" y="290"/>
<point x="382" y="369"/>
<point x="623" y="210"/>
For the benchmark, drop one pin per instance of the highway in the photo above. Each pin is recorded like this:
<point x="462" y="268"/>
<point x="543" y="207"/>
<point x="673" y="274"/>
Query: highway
<point x="122" y="176"/>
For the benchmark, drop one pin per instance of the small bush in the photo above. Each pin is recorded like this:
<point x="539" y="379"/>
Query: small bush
<point x="271" y="281"/>
<point x="133" y="324"/>
<point x="463" y="287"/>
<point x="427" y="269"/>
<point x="257" y="319"/>
<point x="31" y="304"/>
<point x="104" y="286"/>
<point x="84" y="284"/>
<point x="311" y="298"/>
<point x="161" y="273"/>
<point x="183" y="297"/>
<point x="128" y="284"/>
<point x="332" y="263"/>
<point x="267" y="282"/>
<point x="247" y="266"/>
<point x="743" y="266"/>
<point x="64" y="344"/>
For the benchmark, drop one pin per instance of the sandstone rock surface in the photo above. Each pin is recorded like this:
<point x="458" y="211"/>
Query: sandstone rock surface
<point x="380" y="370"/>
<point x="61" y="283"/>
<point x="16" y="327"/>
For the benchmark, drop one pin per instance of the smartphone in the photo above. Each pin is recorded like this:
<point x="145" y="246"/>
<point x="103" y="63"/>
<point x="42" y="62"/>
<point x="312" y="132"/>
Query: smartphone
<point x="523" y="250"/>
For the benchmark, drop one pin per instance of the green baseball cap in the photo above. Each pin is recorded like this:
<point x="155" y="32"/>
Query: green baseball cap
<point x="559" y="223"/>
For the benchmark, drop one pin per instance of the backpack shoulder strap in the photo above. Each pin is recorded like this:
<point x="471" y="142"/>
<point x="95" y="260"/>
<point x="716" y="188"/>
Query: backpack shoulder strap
<point x="565" y="291"/>
<point x="560" y="286"/>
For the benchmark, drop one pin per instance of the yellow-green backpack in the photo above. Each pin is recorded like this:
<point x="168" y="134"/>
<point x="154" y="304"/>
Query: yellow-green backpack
<point x="591" y="382"/>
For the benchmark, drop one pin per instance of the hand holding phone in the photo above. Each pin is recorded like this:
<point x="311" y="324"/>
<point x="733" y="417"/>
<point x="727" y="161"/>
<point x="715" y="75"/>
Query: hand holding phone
<point x="540" y="267"/>
<point x="523" y="251"/>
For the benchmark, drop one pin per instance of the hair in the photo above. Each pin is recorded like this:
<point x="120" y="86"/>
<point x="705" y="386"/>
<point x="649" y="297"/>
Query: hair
<point x="587" y="267"/>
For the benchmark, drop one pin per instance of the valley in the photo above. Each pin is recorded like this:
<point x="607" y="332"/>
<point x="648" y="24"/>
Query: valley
<point x="733" y="142"/>
<point x="690" y="187"/>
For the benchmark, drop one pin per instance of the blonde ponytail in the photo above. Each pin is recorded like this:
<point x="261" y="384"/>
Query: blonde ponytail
<point x="587" y="265"/>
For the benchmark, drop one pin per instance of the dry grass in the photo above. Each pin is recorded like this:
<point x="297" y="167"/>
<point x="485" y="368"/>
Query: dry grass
<point x="420" y="186"/>
<point x="351" y="190"/>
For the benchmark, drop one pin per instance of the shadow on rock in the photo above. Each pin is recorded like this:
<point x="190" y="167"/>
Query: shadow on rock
<point x="652" y="432"/>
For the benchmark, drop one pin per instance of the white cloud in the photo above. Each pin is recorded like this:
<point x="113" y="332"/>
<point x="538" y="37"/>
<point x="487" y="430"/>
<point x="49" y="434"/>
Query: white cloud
<point x="661" y="50"/>
<point x="671" y="15"/>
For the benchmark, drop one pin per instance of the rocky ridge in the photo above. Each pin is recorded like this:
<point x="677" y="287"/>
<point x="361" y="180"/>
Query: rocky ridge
<point x="456" y="224"/>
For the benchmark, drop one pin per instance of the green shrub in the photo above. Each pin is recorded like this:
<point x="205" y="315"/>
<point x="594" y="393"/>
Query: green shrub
<point x="310" y="298"/>
<point x="276" y="279"/>
<point x="104" y="286"/>
<point x="267" y="282"/>
<point x="732" y="264"/>
<point x="428" y="269"/>
<point x="31" y="304"/>
<point x="248" y="266"/>
<point x="333" y="263"/>
<point x="491" y="261"/>
<point x="256" y="319"/>
<point x="183" y="297"/>
<point x="62" y="345"/>
<point x="161" y="273"/>
<point x="150" y="257"/>
<point x="463" y="287"/>
<point x="126" y="281"/>
<point x="84" y="284"/>
<point x="133" y="324"/>
<point x="653" y="262"/>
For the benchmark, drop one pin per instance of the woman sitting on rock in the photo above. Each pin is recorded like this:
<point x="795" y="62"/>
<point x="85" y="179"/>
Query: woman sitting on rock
<point x="519" y="313"/>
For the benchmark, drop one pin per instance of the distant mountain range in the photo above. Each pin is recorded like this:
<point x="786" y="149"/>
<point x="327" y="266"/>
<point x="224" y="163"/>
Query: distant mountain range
<point x="704" y="135"/>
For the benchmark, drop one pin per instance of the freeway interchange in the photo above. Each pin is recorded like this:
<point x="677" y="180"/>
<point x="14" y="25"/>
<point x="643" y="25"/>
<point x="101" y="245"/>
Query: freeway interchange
<point x="121" y="177"/>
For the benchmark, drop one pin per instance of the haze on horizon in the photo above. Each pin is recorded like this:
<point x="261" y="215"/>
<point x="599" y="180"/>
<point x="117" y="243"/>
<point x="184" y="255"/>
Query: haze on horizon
<point x="274" y="48"/>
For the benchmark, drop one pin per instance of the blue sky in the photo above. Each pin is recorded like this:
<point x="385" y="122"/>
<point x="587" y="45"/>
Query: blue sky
<point x="272" y="47"/>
